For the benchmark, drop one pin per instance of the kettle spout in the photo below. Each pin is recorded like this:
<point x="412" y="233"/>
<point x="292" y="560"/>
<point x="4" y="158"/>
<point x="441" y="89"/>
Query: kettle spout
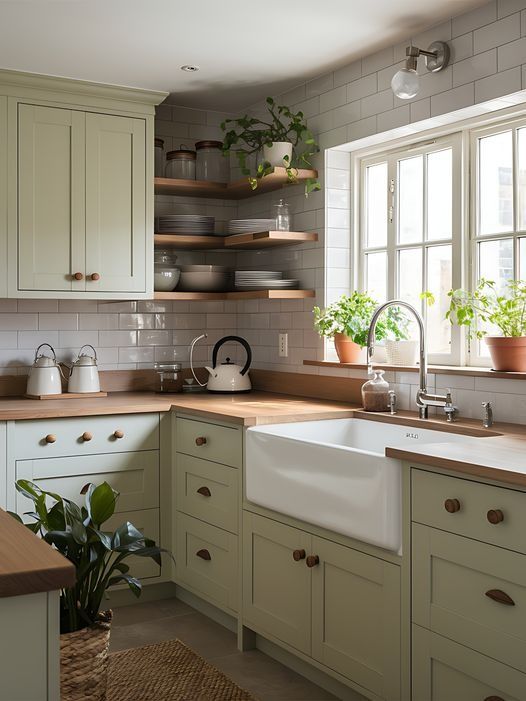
<point x="211" y="371"/>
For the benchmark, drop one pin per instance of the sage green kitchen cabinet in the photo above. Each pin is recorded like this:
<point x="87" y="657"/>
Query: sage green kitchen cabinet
<point x="3" y="196"/>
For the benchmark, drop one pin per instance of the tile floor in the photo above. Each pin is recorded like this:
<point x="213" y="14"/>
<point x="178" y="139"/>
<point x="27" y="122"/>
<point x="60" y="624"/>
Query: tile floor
<point x="268" y="680"/>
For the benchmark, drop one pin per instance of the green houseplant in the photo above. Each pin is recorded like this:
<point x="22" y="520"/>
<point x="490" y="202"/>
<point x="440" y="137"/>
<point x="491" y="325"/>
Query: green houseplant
<point x="283" y="139"/>
<point x="504" y="310"/>
<point x="347" y="321"/>
<point x="77" y="532"/>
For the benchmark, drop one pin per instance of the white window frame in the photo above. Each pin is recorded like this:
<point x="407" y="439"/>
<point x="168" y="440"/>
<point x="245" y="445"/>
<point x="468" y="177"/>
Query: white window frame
<point x="392" y="157"/>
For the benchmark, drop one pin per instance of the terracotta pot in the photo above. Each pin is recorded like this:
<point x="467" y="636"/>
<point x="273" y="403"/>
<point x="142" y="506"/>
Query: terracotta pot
<point x="507" y="354"/>
<point x="84" y="661"/>
<point x="348" y="351"/>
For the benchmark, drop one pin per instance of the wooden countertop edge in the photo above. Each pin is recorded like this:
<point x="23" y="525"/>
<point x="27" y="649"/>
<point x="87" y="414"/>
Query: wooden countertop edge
<point x="499" y="474"/>
<point x="28" y="565"/>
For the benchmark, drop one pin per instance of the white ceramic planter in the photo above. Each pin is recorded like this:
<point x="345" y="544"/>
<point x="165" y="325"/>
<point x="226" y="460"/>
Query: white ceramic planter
<point x="401" y="352"/>
<point x="275" y="154"/>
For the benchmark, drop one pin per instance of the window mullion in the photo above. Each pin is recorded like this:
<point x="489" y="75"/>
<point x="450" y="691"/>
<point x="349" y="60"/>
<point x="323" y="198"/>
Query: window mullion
<point x="392" y="226"/>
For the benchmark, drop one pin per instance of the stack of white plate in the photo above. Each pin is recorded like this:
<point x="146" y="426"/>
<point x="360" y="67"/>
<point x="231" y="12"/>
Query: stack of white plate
<point x="193" y="224"/>
<point x="250" y="226"/>
<point x="263" y="280"/>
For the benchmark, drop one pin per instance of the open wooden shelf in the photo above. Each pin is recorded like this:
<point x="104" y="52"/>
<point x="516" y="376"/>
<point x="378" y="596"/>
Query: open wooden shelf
<point x="255" y="294"/>
<point x="262" y="239"/>
<point x="238" y="190"/>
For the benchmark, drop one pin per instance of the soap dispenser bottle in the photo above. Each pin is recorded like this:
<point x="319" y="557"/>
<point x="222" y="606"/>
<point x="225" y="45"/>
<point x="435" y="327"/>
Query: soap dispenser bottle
<point x="375" y="393"/>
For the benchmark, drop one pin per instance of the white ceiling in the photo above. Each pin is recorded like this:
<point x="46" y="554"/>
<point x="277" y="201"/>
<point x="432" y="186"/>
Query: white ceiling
<point x="245" y="50"/>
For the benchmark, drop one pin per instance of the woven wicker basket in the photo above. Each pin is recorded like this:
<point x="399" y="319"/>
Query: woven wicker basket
<point x="84" y="662"/>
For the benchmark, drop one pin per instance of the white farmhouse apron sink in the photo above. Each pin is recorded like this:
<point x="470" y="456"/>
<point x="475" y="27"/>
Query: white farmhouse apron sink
<point x="334" y="474"/>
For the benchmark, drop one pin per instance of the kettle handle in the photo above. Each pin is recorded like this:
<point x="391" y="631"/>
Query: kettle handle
<point x="51" y="349"/>
<point x="240" y="340"/>
<point x="88" y="345"/>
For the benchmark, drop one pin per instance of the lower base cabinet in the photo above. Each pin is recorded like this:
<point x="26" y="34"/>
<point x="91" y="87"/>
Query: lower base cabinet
<point x="446" y="671"/>
<point x="334" y="604"/>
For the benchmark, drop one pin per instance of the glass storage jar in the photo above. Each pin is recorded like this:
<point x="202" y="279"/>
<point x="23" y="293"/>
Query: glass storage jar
<point x="375" y="393"/>
<point x="180" y="164"/>
<point x="281" y="214"/>
<point x="159" y="158"/>
<point x="211" y="164"/>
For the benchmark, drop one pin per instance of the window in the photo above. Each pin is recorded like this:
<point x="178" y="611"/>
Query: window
<point x="411" y="233"/>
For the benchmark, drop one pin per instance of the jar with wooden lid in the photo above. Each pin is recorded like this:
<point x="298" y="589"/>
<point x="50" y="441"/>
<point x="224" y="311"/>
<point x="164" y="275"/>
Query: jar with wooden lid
<point x="159" y="158"/>
<point x="375" y="393"/>
<point x="180" y="164"/>
<point x="211" y="164"/>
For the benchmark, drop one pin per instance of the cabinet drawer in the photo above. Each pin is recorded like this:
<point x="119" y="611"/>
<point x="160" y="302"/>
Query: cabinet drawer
<point x="206" y="561"/>
<point x="478" y="502"/>
<point x="446" y="671"/>
<point x="134" y="475"/>
<point x="210" y="441"/>
<point x="139" y="432"/>
<point x="451" y="578"/>
<point x="147" y="521"/>
<point x="208" y="491"/>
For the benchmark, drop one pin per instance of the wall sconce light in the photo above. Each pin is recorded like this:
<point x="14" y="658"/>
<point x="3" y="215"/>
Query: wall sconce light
<point x="406" y="83"/>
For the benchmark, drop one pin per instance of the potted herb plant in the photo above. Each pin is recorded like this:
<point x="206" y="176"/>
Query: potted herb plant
<point x="282" y="139"/>
<point x="347" y="321"/>
<point x="506" y="311"/>
<point x="77" y="532"/>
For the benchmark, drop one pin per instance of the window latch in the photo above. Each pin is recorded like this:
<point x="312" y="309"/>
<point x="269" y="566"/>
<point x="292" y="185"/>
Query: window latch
<point x="391" y="206"/>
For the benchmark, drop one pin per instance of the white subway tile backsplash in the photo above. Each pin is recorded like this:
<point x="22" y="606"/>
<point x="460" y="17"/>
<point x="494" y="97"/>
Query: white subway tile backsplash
<point x="119" y="338"/>
<point x="332" y="99"/>
<point x="348" y="73"/>
<point x="377" y="61"/>
<point x="38" y="305"/>
<point x="503" y="83"/>
<point x="379" y="102"/>
<point x="475" y="67"/>
<point x="497" y="33"/>
<point x="508" y="7"/>
<point x="512" y="54"/>
<point x="474" y="19"/>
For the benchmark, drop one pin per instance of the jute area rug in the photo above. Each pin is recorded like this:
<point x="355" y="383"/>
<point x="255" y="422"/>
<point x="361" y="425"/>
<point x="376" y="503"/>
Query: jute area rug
<point x="168" y="671"/>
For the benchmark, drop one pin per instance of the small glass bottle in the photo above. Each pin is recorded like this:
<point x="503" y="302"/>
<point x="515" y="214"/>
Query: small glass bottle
<point x="375" y="393"/>
<point x="282" y="216"/>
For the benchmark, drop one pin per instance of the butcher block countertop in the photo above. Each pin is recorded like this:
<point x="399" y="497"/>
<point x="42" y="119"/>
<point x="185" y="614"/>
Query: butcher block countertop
<point x="28" y="565"/>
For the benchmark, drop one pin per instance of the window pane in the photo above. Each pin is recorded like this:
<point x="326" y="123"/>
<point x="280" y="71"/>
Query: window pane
<point x="439" y="194"/>
<point x="376" y="205"/>
<point x="496" y="261"/>
<point x="521" y="159"/>
<point x="376" y="275"/>
<point x="410" y="199"/>
<point x="410" y="275"/>
<point x="495" y="195"/>
<point x="439" y="282"/>
<point x="522" y="259"/>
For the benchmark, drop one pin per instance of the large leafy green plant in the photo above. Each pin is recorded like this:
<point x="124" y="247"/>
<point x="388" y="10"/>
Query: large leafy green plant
<point x="247" y="136"/>
<point x="98" y="556"/>
<point x="486" y="305"/>
<point x="352" y="314"/>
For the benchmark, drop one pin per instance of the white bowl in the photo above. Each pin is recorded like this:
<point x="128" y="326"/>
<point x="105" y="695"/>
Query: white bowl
<point x="165" y="279"/>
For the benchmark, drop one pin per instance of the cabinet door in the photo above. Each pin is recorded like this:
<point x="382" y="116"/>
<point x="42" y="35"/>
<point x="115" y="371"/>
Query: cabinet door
<point x="446" y="671"/>
<point x="356" y="617"/>
<point x="116" y="229"/>
<point x="3" y="197"/>
<point x="3" y="465"/>
<point x="276" y="588"/>
<point x="50" y="207"/>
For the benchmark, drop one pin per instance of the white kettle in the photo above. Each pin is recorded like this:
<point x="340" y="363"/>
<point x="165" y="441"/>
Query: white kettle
<point x="84" y="374"/>
<point x="228" y="377"/>
<point x="45" y="376"/>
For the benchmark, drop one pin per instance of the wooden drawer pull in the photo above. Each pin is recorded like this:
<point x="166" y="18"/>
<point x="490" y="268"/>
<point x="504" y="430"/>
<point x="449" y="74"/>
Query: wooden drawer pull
<point x="78" y="276"/>
<point x="493" y="698"/>
<point x="204" y="554"/>
<point x="50" y="438"/>
<point x="452" y="506"/>
<point x="118" y="434"/>
<point x="204" y="491"/>
<point x="87" y="436"/>
<point x="495" y="516"/>
<point x="200" y="440"/>
<point x="299" y="554"/>
<point x="500" y="597"/>
<point x="312" y="561"/>
<point x="95" y="277"/>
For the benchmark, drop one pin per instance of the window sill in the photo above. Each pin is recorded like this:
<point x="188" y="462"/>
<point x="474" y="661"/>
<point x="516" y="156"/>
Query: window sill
<point x="435" y="369"/>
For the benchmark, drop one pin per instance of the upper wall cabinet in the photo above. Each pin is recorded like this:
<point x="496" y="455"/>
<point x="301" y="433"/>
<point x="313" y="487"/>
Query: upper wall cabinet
<point x="79" y="181"/>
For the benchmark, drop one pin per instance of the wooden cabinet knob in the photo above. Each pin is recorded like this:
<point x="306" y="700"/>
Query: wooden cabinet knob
<point x="204" y="491"/>
<point x="500" y="597"/>
<point x="495" y="516"/>
<point x="95" y="277"/>
<point x="87" y="436"/>
<point x="204" y="554"/>
<point x="200" y="440"/>
<point x="118" y="434"/>
<point x="78" y="276"/>
<point x="299" y="555"/>
<point x="50" y="438"/>
<point x="312" y="561"/>
<point x="493" y="698"/>
<point x="452" y="506"/>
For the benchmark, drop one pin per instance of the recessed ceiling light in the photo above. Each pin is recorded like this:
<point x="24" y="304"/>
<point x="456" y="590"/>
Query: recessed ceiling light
<point x="189" y="68"/>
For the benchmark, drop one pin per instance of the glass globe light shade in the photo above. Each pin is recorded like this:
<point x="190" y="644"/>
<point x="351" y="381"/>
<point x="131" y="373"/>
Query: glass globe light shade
<point x="405" y="83"/>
